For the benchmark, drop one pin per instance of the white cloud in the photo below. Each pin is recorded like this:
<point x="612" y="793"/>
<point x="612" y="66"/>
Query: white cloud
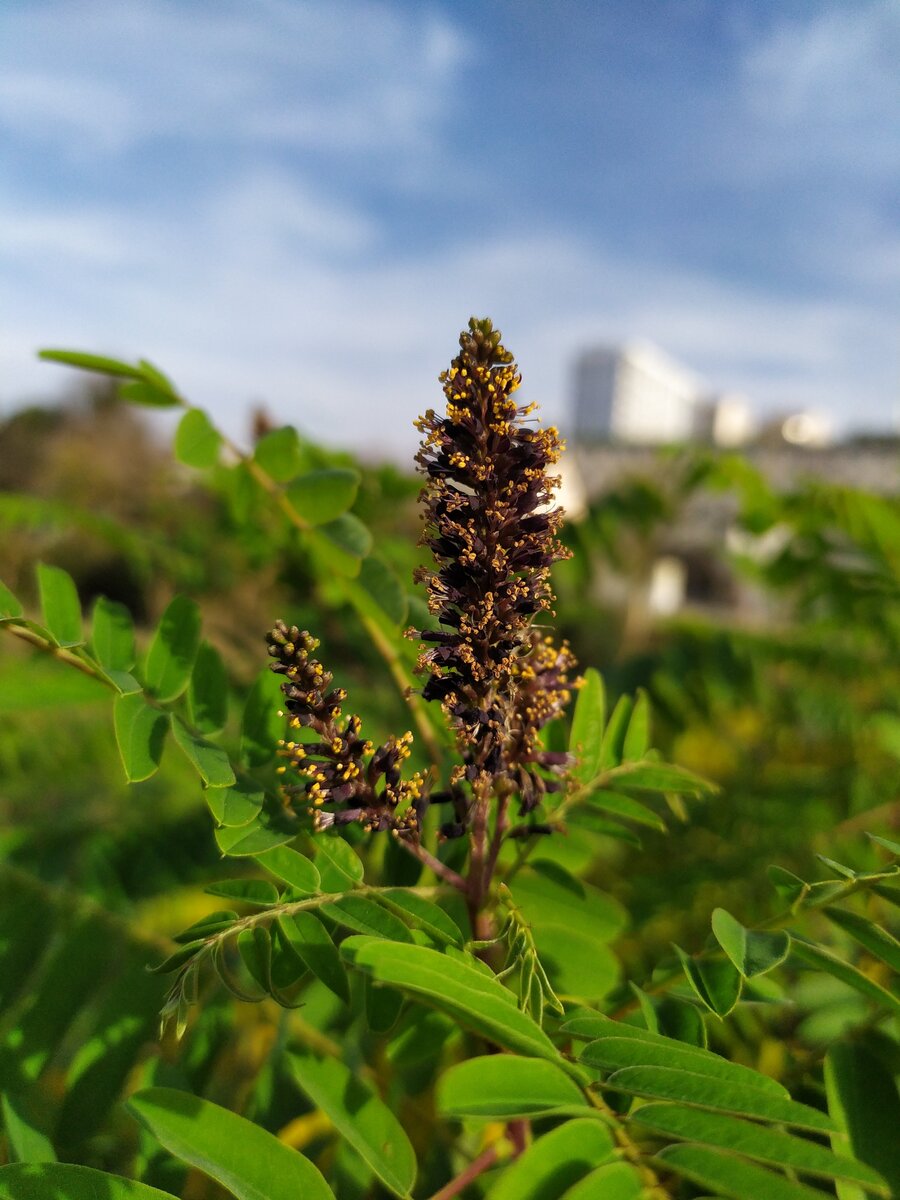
<point x="825" y="87"/>
<point x="254" y="275"/>
<point x="96" y="75"/>
<point x="349" y="346"/>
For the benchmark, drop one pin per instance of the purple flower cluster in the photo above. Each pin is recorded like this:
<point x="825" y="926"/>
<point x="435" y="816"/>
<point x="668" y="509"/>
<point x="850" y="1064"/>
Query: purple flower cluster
<point x="344" y="777"/>
<point x="491" y="525"/>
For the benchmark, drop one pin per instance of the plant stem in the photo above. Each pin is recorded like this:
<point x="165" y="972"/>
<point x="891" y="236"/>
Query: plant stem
<point x="434" y="864"/>
<point x="475" y="1168"/>
<point x="381" y="643"/>
<point x="60" y="652"/>
<point x="476" y="882"/>
<point x="501" y="824"/>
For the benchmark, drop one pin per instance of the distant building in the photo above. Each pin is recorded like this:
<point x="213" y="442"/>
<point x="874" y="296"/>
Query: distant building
<point x="635" y="394"/>
<point x="725" y="419"/>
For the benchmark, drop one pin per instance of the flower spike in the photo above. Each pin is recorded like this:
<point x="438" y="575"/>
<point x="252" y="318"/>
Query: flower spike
<point x="492" y="529"/>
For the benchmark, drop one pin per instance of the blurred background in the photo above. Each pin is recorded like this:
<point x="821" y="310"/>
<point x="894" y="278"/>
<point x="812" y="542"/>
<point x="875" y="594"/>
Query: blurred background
<point x="684" y="218"/>
<point x="299" y="203"/>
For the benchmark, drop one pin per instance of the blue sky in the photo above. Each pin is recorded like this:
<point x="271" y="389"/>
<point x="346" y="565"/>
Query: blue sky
<point x="302" y="203"/>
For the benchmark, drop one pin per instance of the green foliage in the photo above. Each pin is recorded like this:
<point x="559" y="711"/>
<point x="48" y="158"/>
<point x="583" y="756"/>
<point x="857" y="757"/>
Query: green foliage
<point x="354" y="1017"/>
<point x="197" y="441"/>
<point x="251" y="1163"/>
<point x="361" y="1117"/>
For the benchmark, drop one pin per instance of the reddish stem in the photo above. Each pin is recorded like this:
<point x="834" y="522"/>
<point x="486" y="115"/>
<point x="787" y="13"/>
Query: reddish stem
<point x="475" y="1168"/>
<point x="434" y="864"/>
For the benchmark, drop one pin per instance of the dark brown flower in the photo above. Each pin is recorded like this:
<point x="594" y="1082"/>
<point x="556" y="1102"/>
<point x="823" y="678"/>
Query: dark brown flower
<point x="344" y="778"/>
<point x="491" y="526"/>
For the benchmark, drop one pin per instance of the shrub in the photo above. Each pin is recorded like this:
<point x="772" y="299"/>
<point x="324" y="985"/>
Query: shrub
<point x="421" y="903"/>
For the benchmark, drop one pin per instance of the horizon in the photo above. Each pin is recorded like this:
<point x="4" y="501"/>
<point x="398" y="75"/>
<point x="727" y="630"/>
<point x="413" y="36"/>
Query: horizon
<point x="302" y="206"/>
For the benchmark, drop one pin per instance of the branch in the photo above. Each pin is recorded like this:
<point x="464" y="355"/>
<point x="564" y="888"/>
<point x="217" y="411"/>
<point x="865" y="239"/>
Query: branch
<point x="434" y="864"/>
<point x="475" y="1168"/>
<point x="501" y="824"/>
<point x="475" y="884"/>
<point x="67" y="656"/>
<point x="381" y="643"/>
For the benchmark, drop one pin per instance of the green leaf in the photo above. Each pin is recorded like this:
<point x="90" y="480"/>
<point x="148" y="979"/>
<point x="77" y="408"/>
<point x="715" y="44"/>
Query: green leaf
<point x="383" y="1006"/>
<point x="571" y="922"/>
<point x="97" y="363"/>
<point x="255" y="948"/>
<point x="754" y="1141"/>
<point x="886" y="844"/>
<point x="209" y="761"/>
<point x="453" y="987"/>
<point x="383" y="591"/>
<point x="838" y="868"/>
<point x="26" y="1135"/>
<point x="311" y="942"/>
<point x="251" y="1163"/>
<point x="70" y="975"/>
<point x="197" y="440"/>
<point x="637" y="739"/>
<point x="502" y="1086"/>
<point x="62" y="1181"/>
<point x="278" y="453"/>
<point x="125" y="682"/>
<point x="293" y="868"/>
<point x="661" y="777"/>
<point x="673" y="1018"/>
<point x="124" y="1021"/>
<point x="874" y="938"/>
<point x="143" y="391"/>
<point x="60" y="605"/>
<point x="555" y="1161"/>
<point x="578" y="963"/>
<point x="716" y="983"/>
<point x="173" y="650"/>
<point x="612" y="746"/>
<point x="237" y="805"/>
<point x="259" y="835"/>
<point x="593" y="1026"/>
<point x="627" y="808"/>
<point x="208" y="691"/>
<point x="422" y="914"/>
<point x="339" y="865"/>
<point x="364" y="916"/>
<point x="10" y="608"/>
<point x="112" y="635"/>
<point x="360" y="1117"/>
<point x="753" y="953"/>
<point x="864" y="1102"/>
<point x="587" y="727"/>
<point x="174" y="961"/>
<point x="719" y="1095"/>
<point x="612" y="1054"/>
<point x="824" y="960"/>
<point x="248" y="891"/>
<point x="262" y="726"/>
<point x="790" y="887"/>
<point x="287" y="968"/>
<point x="342" y="544"/>
<point x="421" y="1038"/>
<point x="213" y="922"/>
<point x="732" y="1177"/>
<point x="323" y="496"/>
<point x="891" y="894"/>
<point x="155" y="376"/>
<point x="614" y="1181"/>
<point x="140" y="735"/>
<point x="549" y="895"/>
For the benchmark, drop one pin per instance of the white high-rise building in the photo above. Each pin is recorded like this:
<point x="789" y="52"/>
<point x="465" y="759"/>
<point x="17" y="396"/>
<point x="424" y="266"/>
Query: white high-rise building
<point x="635" y="393"/>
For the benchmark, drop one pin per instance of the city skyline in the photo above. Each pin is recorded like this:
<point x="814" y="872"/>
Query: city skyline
<point x="302" y="205"/>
